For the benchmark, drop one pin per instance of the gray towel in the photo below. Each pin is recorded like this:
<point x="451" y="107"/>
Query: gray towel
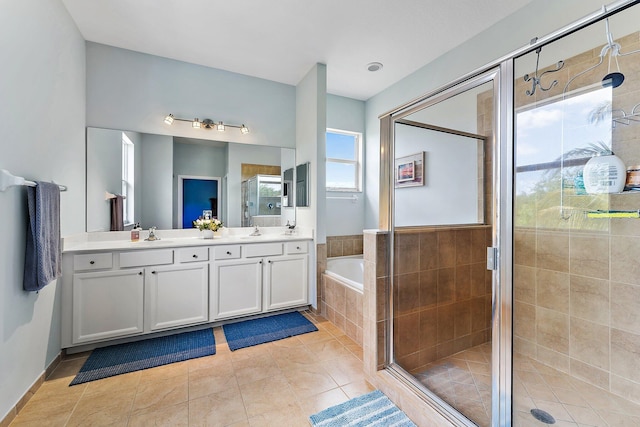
<point x="117" y="213"/>
<point x="42" y="261"/>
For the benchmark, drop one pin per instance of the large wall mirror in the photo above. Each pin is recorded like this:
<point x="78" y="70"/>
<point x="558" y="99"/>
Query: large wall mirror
<point x="168" y="180"/>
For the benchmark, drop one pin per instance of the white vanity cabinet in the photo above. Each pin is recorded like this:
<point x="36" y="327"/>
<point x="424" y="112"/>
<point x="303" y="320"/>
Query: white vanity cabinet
<point x="123" y="292"/>
<point x="258" y="278"/>
<point x="107" y="304"/>
<point x="177" y="296"/>
<point x="236" y="288"/>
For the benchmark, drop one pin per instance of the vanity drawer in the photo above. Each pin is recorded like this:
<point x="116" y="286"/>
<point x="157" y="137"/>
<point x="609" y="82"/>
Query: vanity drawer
<point x="142" y="258"/>
<point x="92" y="261"/>
<point x="193" y="254"/>
<point x="226" y="252"/>
<point x="297" y="247"/>
<point x="262" y="249"/>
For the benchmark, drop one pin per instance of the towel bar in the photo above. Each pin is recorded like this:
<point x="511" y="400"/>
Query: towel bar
<point x="8" y="180"/>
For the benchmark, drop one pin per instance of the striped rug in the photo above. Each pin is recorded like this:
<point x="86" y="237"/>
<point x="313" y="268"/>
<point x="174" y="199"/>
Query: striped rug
<point x="372" y="409"/>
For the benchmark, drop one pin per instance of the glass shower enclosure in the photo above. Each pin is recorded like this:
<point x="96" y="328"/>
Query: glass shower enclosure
<point x="514" y="234"/>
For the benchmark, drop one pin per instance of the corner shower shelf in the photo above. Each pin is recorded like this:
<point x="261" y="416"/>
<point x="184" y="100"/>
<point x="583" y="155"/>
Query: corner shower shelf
<point x="612" y="214"/>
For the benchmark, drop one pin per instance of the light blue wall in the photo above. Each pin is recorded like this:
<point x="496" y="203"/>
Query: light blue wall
<point x="539" y="18"/>
<point x="343" y="216"/>
<point x="42" y="94"/>
<point x="157" y="182"/>
<point x="134" y="91"/>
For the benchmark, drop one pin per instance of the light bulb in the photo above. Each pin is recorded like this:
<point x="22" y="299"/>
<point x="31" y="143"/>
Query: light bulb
<point x="220" y="127"/>
<point x="169" y="119"/>
<point x="196" y="123"/>
<point x="244" y="130"/>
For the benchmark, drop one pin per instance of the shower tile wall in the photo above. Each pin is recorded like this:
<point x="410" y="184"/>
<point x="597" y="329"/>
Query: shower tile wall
<point x="442" y="299"/>
<point x="577" y="292"/>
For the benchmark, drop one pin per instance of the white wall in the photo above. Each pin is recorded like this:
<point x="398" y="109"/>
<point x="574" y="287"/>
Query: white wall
<point x="450" y="191"/>
<point x="157" y="182"/>
<point x="311" y="111"/>
<point x="343" y="216"/>
<point x="42" y="92"/>
<point x="539" y="18"/>
<point x="135" y="91"/>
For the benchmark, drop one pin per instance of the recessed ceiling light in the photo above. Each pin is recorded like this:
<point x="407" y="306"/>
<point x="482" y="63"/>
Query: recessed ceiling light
<point x="374" y="66"/>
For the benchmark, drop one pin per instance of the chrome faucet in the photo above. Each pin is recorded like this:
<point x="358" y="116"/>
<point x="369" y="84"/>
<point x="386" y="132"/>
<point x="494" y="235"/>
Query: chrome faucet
<point x="291" y="228"/>
<point x="255" y="232"/>
<point x="152" y="235"/>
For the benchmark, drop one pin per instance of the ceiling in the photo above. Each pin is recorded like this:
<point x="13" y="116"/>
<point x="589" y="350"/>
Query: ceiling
<point x="281" y="40"/>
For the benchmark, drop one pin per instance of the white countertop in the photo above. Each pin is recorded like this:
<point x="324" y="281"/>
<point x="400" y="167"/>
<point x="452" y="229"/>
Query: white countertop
<point x="120" y="240"/>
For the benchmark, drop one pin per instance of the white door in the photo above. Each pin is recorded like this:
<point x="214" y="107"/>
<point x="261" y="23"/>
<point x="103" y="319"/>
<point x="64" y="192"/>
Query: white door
<point x="108" y="304"/>
<point x="177" y="296"/>
<point x="236" y="288"/>
<point x="285" y="283"/>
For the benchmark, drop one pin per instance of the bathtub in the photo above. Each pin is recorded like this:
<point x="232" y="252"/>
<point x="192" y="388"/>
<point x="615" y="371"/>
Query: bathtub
<point x="349" y="270"/>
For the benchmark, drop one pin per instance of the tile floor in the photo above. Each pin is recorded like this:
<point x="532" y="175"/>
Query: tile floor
<point x="463" y="380"/>
<point x="274" y="384"/>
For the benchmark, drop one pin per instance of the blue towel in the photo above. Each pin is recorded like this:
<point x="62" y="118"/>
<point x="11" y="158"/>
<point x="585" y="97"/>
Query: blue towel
<point x="42" y="261"/>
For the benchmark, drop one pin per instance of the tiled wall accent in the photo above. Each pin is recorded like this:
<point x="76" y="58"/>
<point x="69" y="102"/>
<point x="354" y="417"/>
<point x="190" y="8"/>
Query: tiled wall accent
<point x="577" y="292"/>
<point x="376" y="281"/>
<point x="442" y="292"/>
<point x="321" y="266"/>
<point x="344" y="245"/>
<point x="342" y="305"/>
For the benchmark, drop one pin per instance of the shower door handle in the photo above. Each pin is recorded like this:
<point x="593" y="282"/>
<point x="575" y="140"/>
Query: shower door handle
<point x="492" y="258"/>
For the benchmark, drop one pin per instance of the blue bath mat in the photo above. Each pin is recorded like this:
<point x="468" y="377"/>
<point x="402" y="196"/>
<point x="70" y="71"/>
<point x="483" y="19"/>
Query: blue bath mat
<point x="371" y="409"/>
<point x="266" y="329"/>
<point x="122" y="358"/>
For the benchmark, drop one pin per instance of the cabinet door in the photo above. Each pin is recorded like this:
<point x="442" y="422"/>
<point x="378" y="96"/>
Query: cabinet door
<point x="236" y="288"/>
<point x="285" y="283"/>
<point x="107" y="305"/>
<point x="177" y="296"/>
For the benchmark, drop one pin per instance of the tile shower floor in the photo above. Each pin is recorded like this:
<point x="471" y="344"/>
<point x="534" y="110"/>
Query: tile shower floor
<point x="464" y="381"/>
<point x="274" y="384"/>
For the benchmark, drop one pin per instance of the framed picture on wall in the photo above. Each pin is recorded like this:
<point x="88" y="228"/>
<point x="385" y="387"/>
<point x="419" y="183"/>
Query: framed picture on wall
<point x="409" y="170"/>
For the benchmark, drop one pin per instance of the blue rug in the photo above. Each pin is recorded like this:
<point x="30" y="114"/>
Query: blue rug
<point x="266" y="329"/>
<point x="372" y="409"/>
<point x="122" y="358"/>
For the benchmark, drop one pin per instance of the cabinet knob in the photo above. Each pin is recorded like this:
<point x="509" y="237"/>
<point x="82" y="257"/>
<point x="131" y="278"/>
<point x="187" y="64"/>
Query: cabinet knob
<point x="298" y="247"/>
<point x="228" y="252"/>
<point x="260" y="261"/>
<point x="195" y="256"/>
<point x="139" y="273"/>
<point x="153" y="272"/>
<point x="269" y="261"/>
<point x="92" y="262"/>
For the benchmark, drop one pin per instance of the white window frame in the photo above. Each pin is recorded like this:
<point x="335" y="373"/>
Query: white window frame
<point x="357" y="161"/>
<point x="128" y="179"/>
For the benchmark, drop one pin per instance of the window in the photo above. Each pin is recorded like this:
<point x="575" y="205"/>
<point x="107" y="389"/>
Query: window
<point x="344" y="158"/>
<point x="127" y="179"/>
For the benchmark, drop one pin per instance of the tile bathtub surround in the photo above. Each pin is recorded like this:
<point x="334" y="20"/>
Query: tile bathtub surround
<point x="344" y="245"/>
<point x="342" y="306"/>
<point x="279" y="383"/>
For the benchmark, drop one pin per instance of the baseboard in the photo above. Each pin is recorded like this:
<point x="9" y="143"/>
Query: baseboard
<point x="13" y="412"/>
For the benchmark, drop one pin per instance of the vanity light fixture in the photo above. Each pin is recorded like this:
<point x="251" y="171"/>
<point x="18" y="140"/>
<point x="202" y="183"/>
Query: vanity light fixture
<point x="206" y="124"/>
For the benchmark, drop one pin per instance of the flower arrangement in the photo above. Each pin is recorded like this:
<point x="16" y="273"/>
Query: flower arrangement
<point x="208" y="224"/>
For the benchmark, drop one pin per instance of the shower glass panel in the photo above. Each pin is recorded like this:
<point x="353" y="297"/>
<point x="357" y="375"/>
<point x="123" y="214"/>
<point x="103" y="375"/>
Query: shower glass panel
<point x="576" y="338"/>
<point x="441" y="288"/>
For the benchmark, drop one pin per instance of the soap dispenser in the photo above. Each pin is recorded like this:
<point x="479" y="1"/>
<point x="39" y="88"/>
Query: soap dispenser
<point x="135" y="232"/>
